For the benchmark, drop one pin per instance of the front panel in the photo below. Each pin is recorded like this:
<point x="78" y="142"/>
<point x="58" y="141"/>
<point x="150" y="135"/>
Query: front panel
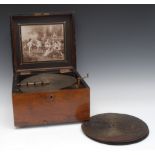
<point x="62" y="106"/>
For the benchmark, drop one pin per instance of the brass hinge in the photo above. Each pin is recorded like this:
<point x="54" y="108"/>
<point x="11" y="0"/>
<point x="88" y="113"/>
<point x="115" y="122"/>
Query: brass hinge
<point x="41" y="14"/>
<point x="65" y="70"/>
<point x="25" y="73"/>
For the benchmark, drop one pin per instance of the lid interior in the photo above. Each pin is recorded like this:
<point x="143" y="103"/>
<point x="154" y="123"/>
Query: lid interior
<point x="43" y="41"/>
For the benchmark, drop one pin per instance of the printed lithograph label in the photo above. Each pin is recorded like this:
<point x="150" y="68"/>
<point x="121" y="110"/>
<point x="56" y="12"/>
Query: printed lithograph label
<point x="42" y="42"/>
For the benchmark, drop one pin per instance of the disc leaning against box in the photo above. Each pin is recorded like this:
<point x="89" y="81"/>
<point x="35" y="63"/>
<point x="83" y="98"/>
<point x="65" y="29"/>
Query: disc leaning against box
<point x="46" y="82"/>
<point x="114" y="128"/>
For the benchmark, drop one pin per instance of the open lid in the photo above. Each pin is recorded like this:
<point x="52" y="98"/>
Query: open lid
<point x="43" y="41"/>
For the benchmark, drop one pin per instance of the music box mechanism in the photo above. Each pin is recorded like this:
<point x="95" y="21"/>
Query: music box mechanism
<point x="49" y="82"/>
<point x="44" y="64"/>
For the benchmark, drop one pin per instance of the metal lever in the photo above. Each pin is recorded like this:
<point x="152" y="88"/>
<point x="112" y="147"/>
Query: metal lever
<point x="81" y="78"/>
<point x="37" y="83"/>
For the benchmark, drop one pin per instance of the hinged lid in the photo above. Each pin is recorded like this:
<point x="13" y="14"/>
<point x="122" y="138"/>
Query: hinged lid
<point x="42" y="42"/>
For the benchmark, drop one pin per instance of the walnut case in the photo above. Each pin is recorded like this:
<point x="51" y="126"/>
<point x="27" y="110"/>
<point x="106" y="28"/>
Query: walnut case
<point x="50" y="107"/>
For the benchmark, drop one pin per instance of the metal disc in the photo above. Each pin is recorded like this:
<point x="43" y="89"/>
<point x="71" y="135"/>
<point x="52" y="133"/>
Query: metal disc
<point x="53" y="82"/>
<point x="113" y="128"/>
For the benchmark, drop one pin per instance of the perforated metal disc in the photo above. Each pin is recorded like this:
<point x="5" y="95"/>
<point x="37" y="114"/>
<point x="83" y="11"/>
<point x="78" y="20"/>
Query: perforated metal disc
<point x="113" y="128"/>
<point x="53" y="82"/>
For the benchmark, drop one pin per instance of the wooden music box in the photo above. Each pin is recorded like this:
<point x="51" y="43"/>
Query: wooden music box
<point x="47" y="89"/>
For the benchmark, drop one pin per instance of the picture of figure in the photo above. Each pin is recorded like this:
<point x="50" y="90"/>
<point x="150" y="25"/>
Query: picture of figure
<point x="42" y="42"/>
<point x="29" y="45"/>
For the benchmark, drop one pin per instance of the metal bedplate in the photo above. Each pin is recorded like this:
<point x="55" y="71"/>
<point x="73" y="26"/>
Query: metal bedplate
<point x="46" y="82"/>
